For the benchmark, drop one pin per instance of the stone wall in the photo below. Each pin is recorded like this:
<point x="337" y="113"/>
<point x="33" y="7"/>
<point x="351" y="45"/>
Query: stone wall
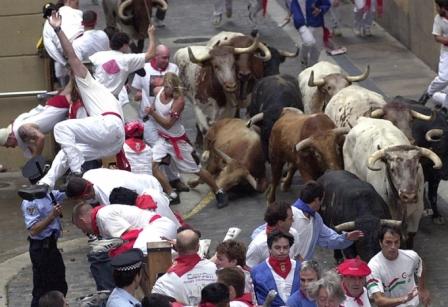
<point x="410" y="21"/>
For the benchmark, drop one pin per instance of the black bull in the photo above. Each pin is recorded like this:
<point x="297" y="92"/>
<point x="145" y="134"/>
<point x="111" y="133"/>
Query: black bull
<point x="349" y="199"/>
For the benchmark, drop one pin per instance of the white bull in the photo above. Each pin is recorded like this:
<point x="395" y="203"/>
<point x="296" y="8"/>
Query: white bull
<point x="379" y="153"/>
<point x="351" y="103"/>
<point x="322" y="81"/>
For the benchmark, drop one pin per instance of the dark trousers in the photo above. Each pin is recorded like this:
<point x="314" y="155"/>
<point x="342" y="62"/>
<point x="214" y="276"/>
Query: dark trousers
<point x="48" y="268"/>
<point x="101" y="270"/>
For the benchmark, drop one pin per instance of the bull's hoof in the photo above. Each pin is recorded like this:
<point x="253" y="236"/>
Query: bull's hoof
<point x="193" y="183"/>
<point x="440" y="220"/>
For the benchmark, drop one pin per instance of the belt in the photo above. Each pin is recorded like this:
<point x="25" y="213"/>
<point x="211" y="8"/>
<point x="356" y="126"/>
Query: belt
<point x="174" y="141"/>
<point x="45" y="243"/>
<point x="155" y="217"/>
<point x="111" y="113"/>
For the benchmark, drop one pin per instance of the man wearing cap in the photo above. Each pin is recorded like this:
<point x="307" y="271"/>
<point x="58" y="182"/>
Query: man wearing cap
<point x="91" y="41"/>
<point x="394" y="271"/>
<point x="354" y="272"/>
<point x="127" y="275"/>
<point x="189" y="274"/>
<point x="96" y="185"/>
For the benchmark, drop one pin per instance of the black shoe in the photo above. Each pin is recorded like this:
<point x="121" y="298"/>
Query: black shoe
<point x="34" y="192"/>
<point x="179" y="186"/>
<point x="425" y="97"/>
<point x="222" y="200"/>
<point x="174" y="200"/>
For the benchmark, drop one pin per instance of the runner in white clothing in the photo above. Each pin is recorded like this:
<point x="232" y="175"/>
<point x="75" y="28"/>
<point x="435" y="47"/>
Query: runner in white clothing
<point x="394" y="271"/>
<point x="173" y="143"/>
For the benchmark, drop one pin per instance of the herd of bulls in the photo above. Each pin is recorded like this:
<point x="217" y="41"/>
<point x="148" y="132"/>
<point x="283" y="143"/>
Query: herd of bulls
<point x="372" y="156"/>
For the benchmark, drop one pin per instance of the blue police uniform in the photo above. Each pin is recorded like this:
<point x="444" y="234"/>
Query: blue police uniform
<point x="47" y="262"/>
<point x="121" y="298"/>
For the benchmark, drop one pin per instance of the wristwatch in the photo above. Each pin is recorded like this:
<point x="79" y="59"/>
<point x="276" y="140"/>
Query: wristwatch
<point x="57" y="29"/>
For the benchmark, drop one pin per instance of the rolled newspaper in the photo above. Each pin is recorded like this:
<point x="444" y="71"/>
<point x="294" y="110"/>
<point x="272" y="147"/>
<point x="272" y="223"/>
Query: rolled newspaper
<point x="232" y="233"/>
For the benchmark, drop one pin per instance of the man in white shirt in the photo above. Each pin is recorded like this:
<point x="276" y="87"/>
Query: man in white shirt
<point x="353" y="273"/>
<point x="96" y="185"/>
<point x="91" y="41"/>
<point x="392" y="281"/>
<point x="72" y="27"/>
<point x="278" y="216"/>
<point x="189" y="274"/>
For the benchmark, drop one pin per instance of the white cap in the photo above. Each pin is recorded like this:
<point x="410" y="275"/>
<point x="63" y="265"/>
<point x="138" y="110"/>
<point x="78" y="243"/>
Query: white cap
<point x="4" y="133"/>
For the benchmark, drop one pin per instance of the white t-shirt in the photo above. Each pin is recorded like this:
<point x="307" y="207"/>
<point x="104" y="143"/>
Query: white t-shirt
<point x="258" y="250"/>
<point x="112" y="68"/>
<point x="163" y="205"/>
<point x="440" y="28"/>
<point x="351" y="302"/>
<point x="284" y="285"/>
<point x="141" y="162"/>
<point x="96" y="98"/>
<point x="395" y="278"/>
<point x="92" y="41"/>
<point x="187" y="288"/>
<point x="114" y="220"/>
<point x="72" y="28"/>
<point x="304" y="228"/>
<point x="104" y="180"/>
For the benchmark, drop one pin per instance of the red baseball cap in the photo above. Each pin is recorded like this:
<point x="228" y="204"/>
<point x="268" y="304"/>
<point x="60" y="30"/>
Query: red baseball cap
<point x="354" y="267"/>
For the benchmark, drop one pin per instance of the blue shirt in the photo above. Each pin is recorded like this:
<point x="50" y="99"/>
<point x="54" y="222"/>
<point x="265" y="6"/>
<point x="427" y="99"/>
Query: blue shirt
<point x="37" y="210"/>
<point x="121" y="298"/>
<point x="297" y="299"/>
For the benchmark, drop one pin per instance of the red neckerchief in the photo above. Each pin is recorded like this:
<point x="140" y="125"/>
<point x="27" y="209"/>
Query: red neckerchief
<point x="281" y="267"/>
<point x="379" y="5"/>
<point x="136" y="145"/>
<point x="145" y="202"/>
<point x="58" y="101"/>
<point x="356" y="298"/>
<point x="183" y="264"/>
<point x="93" y="215"/>
<point x="270" y="229"/>
<point x="246" y="298"/>
<point x="153" y="63"/>
<point x="74" y="107"/>
<point x="122" y="161"/>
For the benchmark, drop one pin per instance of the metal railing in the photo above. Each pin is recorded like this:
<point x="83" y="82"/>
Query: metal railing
<point x="37" y="94"/>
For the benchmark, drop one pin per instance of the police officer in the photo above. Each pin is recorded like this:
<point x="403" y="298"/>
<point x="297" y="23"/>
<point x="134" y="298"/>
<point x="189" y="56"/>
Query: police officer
<point x="42" y="219"/>
<point x="127" y="275"/>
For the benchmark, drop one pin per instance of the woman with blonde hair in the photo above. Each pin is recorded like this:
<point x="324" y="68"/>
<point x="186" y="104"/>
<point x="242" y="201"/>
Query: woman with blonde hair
<point x="173" y="142"/>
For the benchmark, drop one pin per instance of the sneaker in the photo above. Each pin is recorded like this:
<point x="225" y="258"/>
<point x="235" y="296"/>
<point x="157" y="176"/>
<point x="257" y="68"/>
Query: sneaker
<point x="103" y="246"/>
<point x="222" y="200"/>
<point x="367" y="32"/>
<point x="424" y="98"/>
<point x="179" y="186"/>
<point x="174" y="198"/>
<point x="34" y="192"/>
<point x="158" y="23"/>
<point x="217" y="20"/>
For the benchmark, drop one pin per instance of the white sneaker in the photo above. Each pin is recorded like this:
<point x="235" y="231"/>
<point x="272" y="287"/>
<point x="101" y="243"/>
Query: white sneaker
<point x="103" y="246"/>
<point x="367" y="32"/>
<point x="357" y="31"/>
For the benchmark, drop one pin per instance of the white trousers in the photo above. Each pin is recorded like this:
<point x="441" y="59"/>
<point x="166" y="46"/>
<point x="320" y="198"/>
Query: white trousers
<point x="310" y="49"/>
<point x="438" y="86"/>
<point x="363" y="20"/>
<point x="220" y="5"/>
<point x="83" y="140"/>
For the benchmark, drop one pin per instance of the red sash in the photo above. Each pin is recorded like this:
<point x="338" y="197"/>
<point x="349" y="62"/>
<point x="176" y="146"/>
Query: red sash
<point x="122" y="161"/>
<point x="379" y="6"/>
<point x="111" y="113"/>
<point x="265" y="7"/>
<point x="74" y="107"/>
<point x="58" y="101"/>
<point x="93" y="215"/>
<point x="281" y="267"/>
<point x="183" y="264"/>
<point x="174" y="141"/>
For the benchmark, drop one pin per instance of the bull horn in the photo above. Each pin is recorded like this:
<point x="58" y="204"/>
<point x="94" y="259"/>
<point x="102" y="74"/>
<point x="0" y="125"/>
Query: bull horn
<point x="341" y="130"/>
<point x="375" y="157"/>
<point x="205" y="156"/>
<point x="312" y="82"/>
<point x="254" y="119"/>
<point x="196" y="60"/>
<point x="378" y="113"/>
<point x="249" y="49"/>
<point x="223" y="155"/>
<point x="288" y="54"/>
<point x="438" y="133"/>
<point x="163" y="4"/>
<point x="252" y="181"/>
<point x="418" y="115"/>
<point x="432" y="156"/>
<point x="121" y="9"/>
<point x="392" y="223"/>
<point x="361" y="77"/>
<point x="266" y="52"/>
<point x="303" y="144"/>
<point x="347" y="226"/>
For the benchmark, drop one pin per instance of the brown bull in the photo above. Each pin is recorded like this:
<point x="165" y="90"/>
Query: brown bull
<point x="309" y="143"/>
<point x="234" y="155"/>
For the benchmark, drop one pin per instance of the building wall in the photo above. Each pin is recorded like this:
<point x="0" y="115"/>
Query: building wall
<point x="410" y="21"/>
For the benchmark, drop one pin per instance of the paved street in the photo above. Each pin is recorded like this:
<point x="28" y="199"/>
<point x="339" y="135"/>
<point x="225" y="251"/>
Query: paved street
<point x="394" y="71"/>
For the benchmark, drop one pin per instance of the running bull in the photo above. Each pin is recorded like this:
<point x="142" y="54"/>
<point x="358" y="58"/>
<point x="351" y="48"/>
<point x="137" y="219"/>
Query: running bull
<point x="379" y="153"/>
<point x="310" y="143"/>
<point x="350" y="203"/>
